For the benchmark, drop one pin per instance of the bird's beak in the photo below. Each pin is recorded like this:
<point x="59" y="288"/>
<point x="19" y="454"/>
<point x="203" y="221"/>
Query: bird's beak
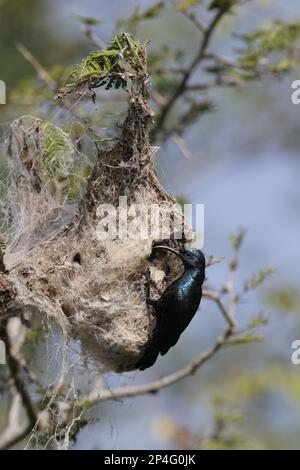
<point x="168" y="248"/>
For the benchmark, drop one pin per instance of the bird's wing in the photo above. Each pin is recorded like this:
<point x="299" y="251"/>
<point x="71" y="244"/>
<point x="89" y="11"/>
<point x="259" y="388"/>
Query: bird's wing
<point x="170" y="328"/>
<point x="150" y="354"/>
<point x="175" y="317"/>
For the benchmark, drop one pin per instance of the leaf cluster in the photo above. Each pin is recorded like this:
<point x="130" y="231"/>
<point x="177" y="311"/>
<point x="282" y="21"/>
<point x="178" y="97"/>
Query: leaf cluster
<point x="111" y="68"/>
<point x="264" y="47"/>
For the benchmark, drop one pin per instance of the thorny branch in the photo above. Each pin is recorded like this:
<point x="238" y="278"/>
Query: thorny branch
<point x="168" y="380"/>
<point x="181" y="88"/>
<point x="21" y="399"/>
<point x="93" y="38"/>
<point x="41" y="72"/>
<point x="191" y="368"/>
<point x="12" y="435"/>
<point x="15" y="431"/>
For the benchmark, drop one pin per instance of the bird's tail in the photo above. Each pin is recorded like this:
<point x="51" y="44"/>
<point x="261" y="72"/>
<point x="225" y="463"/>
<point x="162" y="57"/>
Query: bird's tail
<point x="150" y="354"/>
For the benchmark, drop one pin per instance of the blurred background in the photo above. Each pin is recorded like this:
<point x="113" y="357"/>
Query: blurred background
<point x="243" y="163"/>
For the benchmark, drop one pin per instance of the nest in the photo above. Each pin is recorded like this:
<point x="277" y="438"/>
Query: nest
<point x="96" y="290"/>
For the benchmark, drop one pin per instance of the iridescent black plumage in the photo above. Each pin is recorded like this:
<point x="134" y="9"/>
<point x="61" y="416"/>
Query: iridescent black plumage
<point x="177" y="305"/>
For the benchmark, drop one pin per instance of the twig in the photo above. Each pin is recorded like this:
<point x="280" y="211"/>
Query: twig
<point x="182" y="145"/>
<point x="197" y="22"/>
<point x="166" y="381"/>
<point x="215" y="296"/>
<point x="41" y="72"/>
<point x="194" y="365"/>
<point x="221" y="60"/>
<point x="15" y="368"/>
<point x="233" y="298"/>
<point x="200" y="24"/>
<point x="201" y="86"/>
<point x="190" y="369"/>
<point x="94" y="39"/>
<point x="225" y="80"/>
<point x="14" y="432"/>
<point x="181" y="88"/>
<point x="158" y="98"/>
<point x="211" y="260"/>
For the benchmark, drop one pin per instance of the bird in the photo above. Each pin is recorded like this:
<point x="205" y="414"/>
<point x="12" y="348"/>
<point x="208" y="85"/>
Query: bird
<point x="177" y="305"/>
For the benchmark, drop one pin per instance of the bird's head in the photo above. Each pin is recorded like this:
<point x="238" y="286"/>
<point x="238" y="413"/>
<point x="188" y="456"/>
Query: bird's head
<point x="190" y="257"/>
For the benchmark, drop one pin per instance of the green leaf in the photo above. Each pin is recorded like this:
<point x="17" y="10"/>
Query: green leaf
<point x="264" y="45"/>
<point x="56" y="148"/>
<point x="111" y="68"/>
<point x="88" y="20"/>
<point x="284" y="298"/>
<point x="152" y="11"/>
<point x="258" y="278"/>
<point x="260" y="320"/>
<point x="246" y="339"/>
<point x="237" y="239"/>
<point x="186" y="4"/>
<point x="283" y="66"/>
<point x="274" y="36"/>
<point x="138" y="16"/>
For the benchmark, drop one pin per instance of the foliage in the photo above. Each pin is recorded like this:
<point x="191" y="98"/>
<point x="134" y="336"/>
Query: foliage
<point x="245" y="339"/>
<point x="184" y="5"/>
<point x="236" y="240"/>
<point x="284" y="298"/>
<point x="269" y="51"/>
<point x="56" y="148"/>
<point x="264" y="45"/>
<point x="111" y="68"/>
<point x="139" y="15"/>
<point x="88" y="20"/>
<point x="257" y="279"/>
